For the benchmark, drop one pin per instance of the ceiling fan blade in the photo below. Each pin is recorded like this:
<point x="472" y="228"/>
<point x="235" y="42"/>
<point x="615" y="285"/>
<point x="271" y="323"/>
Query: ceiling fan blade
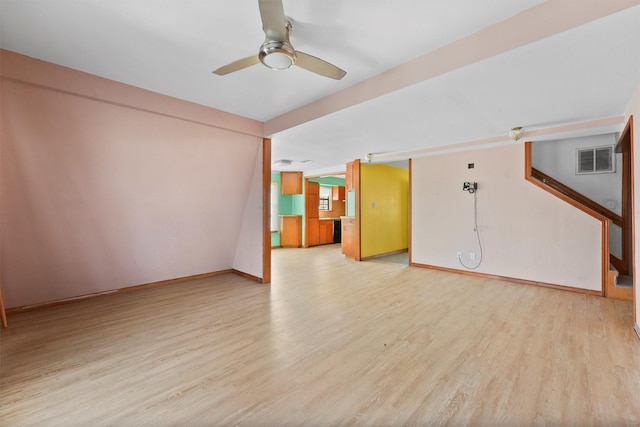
<point x="318" y="66"/>
<point x="274" y="22"/>
<point x="237" y="65"/>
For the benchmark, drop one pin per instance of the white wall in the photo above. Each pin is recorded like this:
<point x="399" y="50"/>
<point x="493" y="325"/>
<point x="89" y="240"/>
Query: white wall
<point x="558" y="159"/>
<point x="526" y="232"/>
<point x="633" y="109"/>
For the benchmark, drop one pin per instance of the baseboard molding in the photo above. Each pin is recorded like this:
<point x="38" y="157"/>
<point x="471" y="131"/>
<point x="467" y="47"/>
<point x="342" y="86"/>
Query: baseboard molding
<point x="636" y="328"/>
<point x="510" y="279"/>
<point x="247" y="276"/>
<point x="399" y="251"/>
<point x="135" y="288"/>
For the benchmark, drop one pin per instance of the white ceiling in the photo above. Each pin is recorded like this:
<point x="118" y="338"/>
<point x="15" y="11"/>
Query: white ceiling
<point x="584" y="72"/>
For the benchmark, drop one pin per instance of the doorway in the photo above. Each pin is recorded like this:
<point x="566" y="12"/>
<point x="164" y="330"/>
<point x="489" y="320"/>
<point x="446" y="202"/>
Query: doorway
<point x="624" y="286"/>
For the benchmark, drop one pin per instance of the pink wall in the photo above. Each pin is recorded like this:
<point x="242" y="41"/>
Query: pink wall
<point x="248" y="252"/>
<point x="118" y="187"/>
<point x="634" y="109"/>
<point x="526" y="232"/>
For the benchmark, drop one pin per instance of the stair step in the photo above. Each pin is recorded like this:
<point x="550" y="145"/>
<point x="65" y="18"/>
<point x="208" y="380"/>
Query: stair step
<point x="624" y="282"/>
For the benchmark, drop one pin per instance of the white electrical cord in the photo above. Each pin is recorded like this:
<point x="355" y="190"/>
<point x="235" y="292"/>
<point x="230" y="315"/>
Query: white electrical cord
<point x="475" y="228"/>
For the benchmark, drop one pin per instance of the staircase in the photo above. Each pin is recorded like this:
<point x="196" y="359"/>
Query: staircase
<point x="615" y="284"/>
<point x="619" y="286"/>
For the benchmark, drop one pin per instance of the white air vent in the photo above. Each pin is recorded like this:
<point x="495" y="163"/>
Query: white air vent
<point x="595" y="160"/>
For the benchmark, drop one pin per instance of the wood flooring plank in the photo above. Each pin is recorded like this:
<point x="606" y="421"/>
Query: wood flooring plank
<point x="330" y="342"/>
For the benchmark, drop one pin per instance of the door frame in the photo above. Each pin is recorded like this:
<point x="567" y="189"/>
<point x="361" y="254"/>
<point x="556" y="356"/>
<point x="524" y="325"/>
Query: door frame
<point x="624" y="145"/>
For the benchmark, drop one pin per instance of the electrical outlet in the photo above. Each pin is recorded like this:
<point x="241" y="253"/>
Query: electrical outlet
<point x="472" y="256"/>
<point x="459" y="254"/>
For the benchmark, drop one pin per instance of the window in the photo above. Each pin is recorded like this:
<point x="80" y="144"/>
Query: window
<point x="274" y="206"/>
<point x="325" y="199"/>
<point x="324" y="203"/>
<point x="595" y="160"/>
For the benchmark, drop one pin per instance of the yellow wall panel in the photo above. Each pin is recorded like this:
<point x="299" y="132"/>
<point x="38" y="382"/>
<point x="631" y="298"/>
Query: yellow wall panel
<point x="384" y="209"/>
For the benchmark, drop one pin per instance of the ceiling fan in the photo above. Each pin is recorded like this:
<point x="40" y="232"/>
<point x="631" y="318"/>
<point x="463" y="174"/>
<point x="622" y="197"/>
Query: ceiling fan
<point x="277" y="52"/>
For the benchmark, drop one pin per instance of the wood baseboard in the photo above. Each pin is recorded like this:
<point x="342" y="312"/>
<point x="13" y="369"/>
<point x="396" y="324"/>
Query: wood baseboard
<point x="399" y="251"/>
<point x="247" y="276"/>
<point x="42" y="305"/>
<point x="510" y="279"/>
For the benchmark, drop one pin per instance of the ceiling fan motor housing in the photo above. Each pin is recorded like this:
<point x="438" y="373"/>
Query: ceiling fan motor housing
<point x="277" y="55"/>
<point x="276" y="52"/>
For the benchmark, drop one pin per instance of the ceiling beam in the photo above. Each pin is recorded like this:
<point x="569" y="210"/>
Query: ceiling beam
<point x="539" y="22"/>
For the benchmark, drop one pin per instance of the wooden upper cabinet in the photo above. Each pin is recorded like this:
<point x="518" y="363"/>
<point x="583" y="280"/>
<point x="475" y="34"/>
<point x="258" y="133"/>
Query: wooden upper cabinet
<point x="312" y="200"/>
<point x="349" y="177"/>
<point x="291" y="182"/>
<point x="338" y="193"/>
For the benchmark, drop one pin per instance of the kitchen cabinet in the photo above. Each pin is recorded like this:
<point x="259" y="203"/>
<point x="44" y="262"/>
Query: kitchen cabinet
<point x="348" y="236"/>
<point x="313" y="232"/>
<point x="290" y="231"/>
<point x="326" y="231"/>
<point x="312" y="200"/>
<point x="291" y="182"/>
<point x="348" y="181"/>
<point x="338" y="193"/>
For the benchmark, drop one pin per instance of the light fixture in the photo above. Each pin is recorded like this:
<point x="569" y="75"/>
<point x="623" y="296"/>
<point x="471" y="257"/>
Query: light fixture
<point x="277" y="55"/>
<point x="516" y="133"/>
<point x="283" y="162"/>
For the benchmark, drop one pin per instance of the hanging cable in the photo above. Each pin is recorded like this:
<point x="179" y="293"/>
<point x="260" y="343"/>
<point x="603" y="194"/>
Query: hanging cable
<point x="475" y="229"/>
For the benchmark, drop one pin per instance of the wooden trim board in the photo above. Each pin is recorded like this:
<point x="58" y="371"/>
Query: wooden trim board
<point x="410" y="219"/>
<point x="574" y="195"/>
<point x="247" y="276"/>
<point x="266" y="210"/>
<point x="509" y="279"/>
<point x="3" y="311"/>
<point x="628" y="208"/>
<point x="399" y="251"/>
<point x="134" y="288"/>
<point x="357" y="222"/>
<point x="605" y="251"/>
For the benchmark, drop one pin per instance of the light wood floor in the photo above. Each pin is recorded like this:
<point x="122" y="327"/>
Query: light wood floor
<point x="330" y="342"/>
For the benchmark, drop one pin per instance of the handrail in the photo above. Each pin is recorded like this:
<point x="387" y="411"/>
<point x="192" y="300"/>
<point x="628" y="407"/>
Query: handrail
<point x="604" y="215"/>
<point x="573" y="194"/>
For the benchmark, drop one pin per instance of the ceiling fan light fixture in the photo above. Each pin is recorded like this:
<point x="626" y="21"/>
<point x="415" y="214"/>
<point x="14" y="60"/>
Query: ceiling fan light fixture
<point x="277" y="55"/>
